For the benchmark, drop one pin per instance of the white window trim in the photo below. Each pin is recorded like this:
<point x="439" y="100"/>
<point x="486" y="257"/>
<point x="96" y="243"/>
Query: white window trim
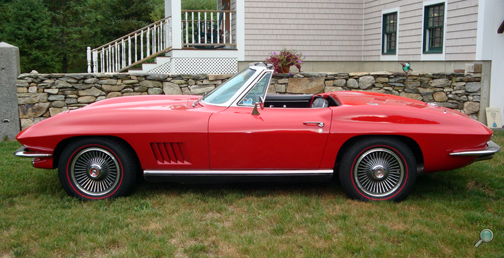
<point x="240" y="29"/>
<point x="390" y="57"/>
<point x="440" y="56"/>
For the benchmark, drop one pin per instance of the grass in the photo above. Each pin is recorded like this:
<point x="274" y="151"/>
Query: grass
<point x="442" y="217"/>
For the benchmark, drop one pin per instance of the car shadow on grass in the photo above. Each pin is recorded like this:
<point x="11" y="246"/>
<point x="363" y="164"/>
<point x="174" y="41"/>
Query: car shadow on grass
<point x="433" y="186"/>
<point x="449" y="185"/>
<point x="241" y="188"/>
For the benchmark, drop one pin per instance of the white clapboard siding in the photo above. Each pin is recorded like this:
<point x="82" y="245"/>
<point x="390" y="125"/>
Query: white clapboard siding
<point x="409" y="30"/>
<point x="344" y="30"/>
<point x="325" y="30"/>
<point x="372" y="31"/>
<point x="461" y="30"/>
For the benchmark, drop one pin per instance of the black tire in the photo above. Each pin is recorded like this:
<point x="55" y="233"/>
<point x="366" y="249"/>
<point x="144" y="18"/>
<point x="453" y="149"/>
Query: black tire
<point x="97" y="168"/>
<point x="378" y="169"/>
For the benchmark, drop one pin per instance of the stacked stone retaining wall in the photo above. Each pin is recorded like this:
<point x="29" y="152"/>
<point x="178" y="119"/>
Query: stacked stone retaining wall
<point x="43" y="95"/>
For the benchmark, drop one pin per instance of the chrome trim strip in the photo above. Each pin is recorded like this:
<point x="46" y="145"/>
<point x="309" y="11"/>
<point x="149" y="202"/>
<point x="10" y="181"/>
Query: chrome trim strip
<point x="490" y="150"/>
<point x="24" y="153"/>
<point x="237" y="172"/>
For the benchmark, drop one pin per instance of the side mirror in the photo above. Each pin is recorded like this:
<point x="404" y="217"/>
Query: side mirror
<point x="262" y="102"/>
<point x="255" y="111"/>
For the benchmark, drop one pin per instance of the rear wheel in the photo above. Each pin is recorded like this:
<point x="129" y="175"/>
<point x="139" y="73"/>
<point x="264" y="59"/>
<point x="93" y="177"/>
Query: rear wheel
<point x="97" y="168"/>
<point x="378" y="169"/>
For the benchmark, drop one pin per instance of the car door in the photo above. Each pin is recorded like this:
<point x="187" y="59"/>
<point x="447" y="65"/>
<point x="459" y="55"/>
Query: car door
<point x="276" y="138"/>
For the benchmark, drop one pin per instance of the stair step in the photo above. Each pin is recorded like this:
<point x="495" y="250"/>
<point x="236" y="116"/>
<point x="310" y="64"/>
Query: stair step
<point x="162" y="60"/>
<point x="146" y="67"/>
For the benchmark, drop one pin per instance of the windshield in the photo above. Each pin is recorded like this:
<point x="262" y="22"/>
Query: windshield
<point x="223" y="93"/>
<point x="257" y="92"/>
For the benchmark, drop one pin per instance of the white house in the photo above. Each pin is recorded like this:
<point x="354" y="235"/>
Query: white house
<point x="374" y="35"/>
<point x="335" y="35"/>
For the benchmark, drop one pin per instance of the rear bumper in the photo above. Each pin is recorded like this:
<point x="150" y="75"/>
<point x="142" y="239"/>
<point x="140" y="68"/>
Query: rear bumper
<point x="481" y="154"/>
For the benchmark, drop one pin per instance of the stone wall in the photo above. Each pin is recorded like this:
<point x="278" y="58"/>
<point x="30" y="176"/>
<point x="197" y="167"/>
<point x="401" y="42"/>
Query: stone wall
<point x="43" y="95"/>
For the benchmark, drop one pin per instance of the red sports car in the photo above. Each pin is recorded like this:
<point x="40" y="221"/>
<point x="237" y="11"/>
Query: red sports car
<point x="376" y="144"/>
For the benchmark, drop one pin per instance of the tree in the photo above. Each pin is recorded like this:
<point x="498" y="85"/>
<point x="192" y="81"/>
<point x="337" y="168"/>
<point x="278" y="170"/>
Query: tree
<point x="108" y="20"/>
<point x="68" y="24"/>
<point x="53" y="34"/>
<point x="158" y="11"/>
<point x="3" y="10"/>
<point x="116" y="18"/>
<point x="27" y="25"/>
<point x="199" y="4"/>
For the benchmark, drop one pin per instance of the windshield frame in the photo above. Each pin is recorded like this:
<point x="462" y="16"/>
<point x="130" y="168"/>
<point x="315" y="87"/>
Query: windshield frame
<point x="245" y="85"/>
<point x="259" y="70"/>
<point x="253" y="85"/>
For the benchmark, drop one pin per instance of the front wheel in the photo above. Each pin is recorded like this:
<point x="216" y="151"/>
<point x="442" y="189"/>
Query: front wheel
<point x="97" y="168"/>
<point x="378" y="169"/>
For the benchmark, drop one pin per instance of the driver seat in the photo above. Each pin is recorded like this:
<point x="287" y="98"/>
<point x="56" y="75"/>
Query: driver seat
<point x="320" y="103"/>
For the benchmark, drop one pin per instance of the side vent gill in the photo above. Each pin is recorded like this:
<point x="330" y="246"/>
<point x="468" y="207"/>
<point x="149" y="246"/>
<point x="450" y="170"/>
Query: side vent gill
<point x="168" y="152"/>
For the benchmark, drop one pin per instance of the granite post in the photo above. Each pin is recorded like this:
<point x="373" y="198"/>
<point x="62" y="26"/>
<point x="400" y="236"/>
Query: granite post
<point x="9" y="71"/>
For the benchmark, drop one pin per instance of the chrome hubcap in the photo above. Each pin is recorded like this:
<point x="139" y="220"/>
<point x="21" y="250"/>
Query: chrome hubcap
<point x="378" y="172"/>
<point x="95" y="171"/>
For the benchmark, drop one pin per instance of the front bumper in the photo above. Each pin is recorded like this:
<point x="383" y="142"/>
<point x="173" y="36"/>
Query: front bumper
<point x="25" y="153"/>
<point x="40" y="159"/>
<point x="482" y="154"/>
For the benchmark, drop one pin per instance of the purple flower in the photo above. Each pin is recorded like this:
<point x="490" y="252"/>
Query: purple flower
<point x="285" y="59"/>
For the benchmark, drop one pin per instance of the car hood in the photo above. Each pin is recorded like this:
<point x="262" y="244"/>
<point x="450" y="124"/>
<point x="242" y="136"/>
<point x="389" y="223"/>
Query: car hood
<point x="117" y="116"/>
<point x="164" y="102"/>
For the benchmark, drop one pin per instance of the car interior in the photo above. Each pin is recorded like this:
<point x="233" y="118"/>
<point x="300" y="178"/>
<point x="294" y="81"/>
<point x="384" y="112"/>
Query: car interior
<point x="298" y="101"/>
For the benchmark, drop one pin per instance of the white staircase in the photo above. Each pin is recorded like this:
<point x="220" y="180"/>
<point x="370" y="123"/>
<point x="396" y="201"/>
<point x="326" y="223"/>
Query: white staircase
<point x="131" y="49"/>
<point x="206" y="45"/>
<point x="217" y="63"/>
<point x="156" y="67"/>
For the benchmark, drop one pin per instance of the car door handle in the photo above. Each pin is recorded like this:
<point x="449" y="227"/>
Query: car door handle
<point x="320" y="124"/>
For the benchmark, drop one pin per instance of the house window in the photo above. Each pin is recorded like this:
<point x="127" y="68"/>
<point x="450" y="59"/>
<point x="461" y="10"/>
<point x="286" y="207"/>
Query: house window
<point x="389" y="36"/>
<point x="434" y="28"/>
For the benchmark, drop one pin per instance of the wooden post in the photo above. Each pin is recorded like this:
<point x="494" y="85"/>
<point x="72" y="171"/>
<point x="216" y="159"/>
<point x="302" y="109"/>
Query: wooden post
<point x="89" y="70"/>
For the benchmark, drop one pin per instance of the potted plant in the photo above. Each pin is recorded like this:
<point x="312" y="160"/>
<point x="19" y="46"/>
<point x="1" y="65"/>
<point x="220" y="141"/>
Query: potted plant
<point x="283" y="60"/>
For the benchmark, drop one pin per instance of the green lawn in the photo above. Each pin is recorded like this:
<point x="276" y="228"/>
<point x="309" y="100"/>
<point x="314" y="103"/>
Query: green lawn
<point x="442" y="217"/>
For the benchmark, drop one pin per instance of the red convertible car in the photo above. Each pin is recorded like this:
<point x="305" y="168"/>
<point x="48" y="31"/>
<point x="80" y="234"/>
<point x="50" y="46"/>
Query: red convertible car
<point x="376" y="144"/>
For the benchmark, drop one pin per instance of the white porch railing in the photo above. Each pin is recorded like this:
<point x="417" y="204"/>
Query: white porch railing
<point x="208" y="29"/>
<point x="131" y="49"/>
